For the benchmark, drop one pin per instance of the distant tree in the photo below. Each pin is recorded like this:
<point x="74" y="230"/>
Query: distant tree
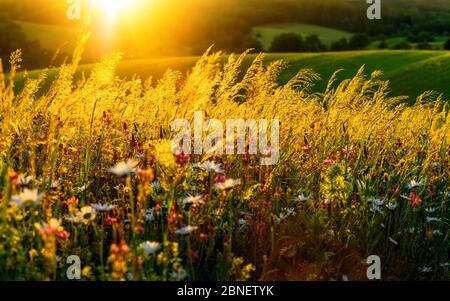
<point x="423" y="36"/>
<point x="359" y="41"/>
<point x="447" y="44"/>
<point x="287" y="42"/>
<point x="313" y="44"/>
<point x="252" y="43"/>
<point x="340" y="45"/>
<point x="12" y="38"/>
<point x="424" y="46"/>
<point x="383" y="43"/>
<point x="402" y="45"/>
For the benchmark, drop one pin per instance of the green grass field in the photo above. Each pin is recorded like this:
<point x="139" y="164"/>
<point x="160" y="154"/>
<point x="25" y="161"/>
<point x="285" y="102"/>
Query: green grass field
<point x="437" y="44"/>
<point x="267" y="33"/>
<point x="410" y="72"/>
<point x="51" y="37"/>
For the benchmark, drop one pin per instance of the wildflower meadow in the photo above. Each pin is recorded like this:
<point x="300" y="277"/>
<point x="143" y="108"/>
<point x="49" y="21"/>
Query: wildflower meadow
<point x="88" y="173"/>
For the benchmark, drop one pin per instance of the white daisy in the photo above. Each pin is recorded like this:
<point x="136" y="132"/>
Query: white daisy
<point x="414" y="184"/>
<point x="83" y="188"/>
<point x="27" y="198"/>
<point x="378" y="201"/>
<point x="103" y="207"/>
<point x="210" y="166"/>
<point x="85" y="215"/>
<point x="425" y="269"/>
<point x="432" y="209"/>
<point x="74" y="219"/>
<point x="149" y="215"/>
<point x="284" y="214"/>
<point x="193" y="200"/>
<point x="392" y="206"/>
<point x="302" y="198"/>
<point x="24" y="181"/>
<point x="155" y="185"/>
<point x="49" y="182"/>
<point x="179" y="275"/>
<point x="150" y="247"/>
<point x="186" y="230"/>
<point x="377" y="209"/>
<point x="122" y="169"/>
<point x="229" y="183"/>
<point x="129" y="276"/>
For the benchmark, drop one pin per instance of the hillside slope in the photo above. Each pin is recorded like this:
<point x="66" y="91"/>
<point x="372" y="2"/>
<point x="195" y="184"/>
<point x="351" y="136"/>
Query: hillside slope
<point x="410" y="72"/>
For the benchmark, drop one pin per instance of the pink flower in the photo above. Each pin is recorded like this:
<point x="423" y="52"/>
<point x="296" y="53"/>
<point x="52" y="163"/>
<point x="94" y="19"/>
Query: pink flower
<point x="203" y="236"/>
<point x="307" y="147"/>
<point x="220" y="178"/>
<point x="182" y="158"/>
<point x="416" y="201"/>
<point x="109" y="220"/>
<point x="63" y="234"/>
<point x="327" y="163"/>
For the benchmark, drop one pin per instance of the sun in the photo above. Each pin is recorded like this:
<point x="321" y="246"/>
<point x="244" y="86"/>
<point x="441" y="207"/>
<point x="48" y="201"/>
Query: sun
<point x="112" y="8"/>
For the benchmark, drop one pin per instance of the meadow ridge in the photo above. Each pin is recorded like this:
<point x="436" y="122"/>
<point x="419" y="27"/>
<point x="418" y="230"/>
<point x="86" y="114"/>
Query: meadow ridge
<point x="404" y="69"/>
<point x="266" y="33"/>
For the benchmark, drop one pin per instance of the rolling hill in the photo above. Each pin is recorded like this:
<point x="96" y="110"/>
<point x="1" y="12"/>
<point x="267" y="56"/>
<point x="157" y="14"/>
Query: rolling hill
<point x="266" y="33"/>
<point x="410" y="72"/>
<point x="51" y="37"/>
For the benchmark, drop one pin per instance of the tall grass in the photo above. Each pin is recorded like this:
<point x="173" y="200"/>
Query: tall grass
<point x="373" y="175"/>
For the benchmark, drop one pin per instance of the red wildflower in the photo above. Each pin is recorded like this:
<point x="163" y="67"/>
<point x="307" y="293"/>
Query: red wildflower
<point x="220" y="178"/>
<point x="203" y="236"/>
<point x="327" y="163"/>
<point x="307" y="147"/>
<point x="416" y="201"/>
<point x="182" y="158"/>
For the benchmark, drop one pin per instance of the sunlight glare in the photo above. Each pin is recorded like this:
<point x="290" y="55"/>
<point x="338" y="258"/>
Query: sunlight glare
<point x="112" y="8"/>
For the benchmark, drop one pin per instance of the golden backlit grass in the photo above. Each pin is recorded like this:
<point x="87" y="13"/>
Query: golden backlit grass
<point x="346" y="150"/>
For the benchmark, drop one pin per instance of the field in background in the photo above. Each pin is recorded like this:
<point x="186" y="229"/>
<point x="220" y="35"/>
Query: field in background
<point x="51" y="37"/>
<point x="405" y="70"/>
<point x="392" y="42"/>
<point x="265" y="34"/>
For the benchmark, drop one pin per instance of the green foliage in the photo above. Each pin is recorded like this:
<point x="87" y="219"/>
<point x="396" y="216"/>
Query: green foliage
<point x="266" y="33"/>
<point x="359" y="41"/>
<point x="402" y="45"/>
<point x="287" y="42"/>
<point x="313" y="44"/>
<point x="341" y="45"/>
<point x="12" y="38"/>
<point x="424" y="46"/>
<point x="447" y="45"/>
